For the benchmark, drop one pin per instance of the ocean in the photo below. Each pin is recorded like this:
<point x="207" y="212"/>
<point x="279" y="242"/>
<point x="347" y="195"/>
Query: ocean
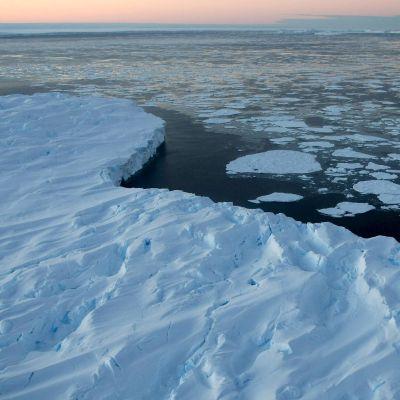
<point x="226" y="92"/>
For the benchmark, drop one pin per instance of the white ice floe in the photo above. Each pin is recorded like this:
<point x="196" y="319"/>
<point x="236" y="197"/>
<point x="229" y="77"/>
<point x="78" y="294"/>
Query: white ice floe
<point x="113" y="293"/>
<point x="347" y="209"/>
<point x="282" y="140"/>
<point x="223" y="112"/>
<point x="395" y="156"/>
<point x="376" y="167"/>
<point x="286" y="121"/>
<point x="383" y="175"/>
<point x="277" y="197"/>
<point x="217" y="121"/>
<point x="336" y="111"/>
<point x="317" y="144"/>
<point x="345" y="165"/>
<point x="350" y="153"/>
<point x="388" y="192"/>
<point x="357" y="137"/>
<point x="275" y="162"/>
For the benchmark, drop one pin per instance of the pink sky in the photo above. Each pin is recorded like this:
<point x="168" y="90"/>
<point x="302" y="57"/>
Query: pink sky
<point x="186" y="11"/>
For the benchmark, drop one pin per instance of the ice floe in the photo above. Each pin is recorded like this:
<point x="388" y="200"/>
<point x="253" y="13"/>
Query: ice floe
<point x="383" y="175"/>
<point x="275" y="162"/>
<point x="350" y="153"/>
<point x="376" y="167"/>
<point x="347" y="209"/>
<point x="395" y="156"/>
<point x="277" y="197"/>
<point x="388" y="192"/>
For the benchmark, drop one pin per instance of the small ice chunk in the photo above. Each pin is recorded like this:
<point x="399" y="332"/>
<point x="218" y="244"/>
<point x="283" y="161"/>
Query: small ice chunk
<point x="282" y="140"/>
<point x="275" y="162"/>
<point x="223" y="112"/>
<point x="347" y="209"/>
<point x="383" y="175"/>
<point x="394" y="156"/>
<point x="217" y="121"/>
<point x="277" y="197"/>
<point x="344" y="165"/>
<point x="350" y="153"/>
<point x="376" y="167"/>
<point x="335" y="111"/>
<point x="319" y="144"/>
<point x="365" y="138"/>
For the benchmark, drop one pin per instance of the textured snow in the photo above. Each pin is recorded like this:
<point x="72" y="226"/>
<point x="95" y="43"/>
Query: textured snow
<point x="113" y="293"/>
<point x="347" y="209"/>
<point x="277" y="197"/>
<point x="275" y="162"/>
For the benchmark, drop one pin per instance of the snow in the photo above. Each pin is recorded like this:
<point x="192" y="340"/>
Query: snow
<point x="388" y="192"/>
<point x="275" y="162"/>
<point x="113" y="293"/>
<point x="277" y="197"/>
<point x="347" y="209"/>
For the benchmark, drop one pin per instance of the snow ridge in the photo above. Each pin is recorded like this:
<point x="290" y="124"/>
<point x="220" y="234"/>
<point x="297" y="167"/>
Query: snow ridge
<point x="113" y="293"/>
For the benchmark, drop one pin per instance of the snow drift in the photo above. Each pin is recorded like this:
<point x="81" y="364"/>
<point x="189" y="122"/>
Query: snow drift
<point x="113" y="293"/>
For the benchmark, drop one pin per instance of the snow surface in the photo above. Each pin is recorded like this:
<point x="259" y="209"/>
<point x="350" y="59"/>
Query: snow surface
<point x="277" y="197"/>
<point x="113" y="293"/>
<point x="347" y="209"/>
<point x="275" y="162"/>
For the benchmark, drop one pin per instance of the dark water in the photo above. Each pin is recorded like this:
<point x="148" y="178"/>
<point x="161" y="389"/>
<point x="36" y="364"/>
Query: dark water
<point x="194" y="160"/>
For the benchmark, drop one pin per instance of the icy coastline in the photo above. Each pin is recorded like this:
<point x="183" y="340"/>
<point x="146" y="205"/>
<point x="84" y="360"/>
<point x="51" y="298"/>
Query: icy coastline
<point x="110" y="293"/>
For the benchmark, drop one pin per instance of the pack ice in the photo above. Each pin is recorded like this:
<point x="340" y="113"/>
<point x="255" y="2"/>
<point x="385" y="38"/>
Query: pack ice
<point x="113" y="293"/>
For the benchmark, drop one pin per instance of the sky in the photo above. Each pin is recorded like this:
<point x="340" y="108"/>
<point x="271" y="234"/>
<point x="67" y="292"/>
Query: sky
<point x="188" y="11"/>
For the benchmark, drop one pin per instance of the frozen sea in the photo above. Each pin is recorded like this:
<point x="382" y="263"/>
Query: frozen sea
<point x="229" y="93"/>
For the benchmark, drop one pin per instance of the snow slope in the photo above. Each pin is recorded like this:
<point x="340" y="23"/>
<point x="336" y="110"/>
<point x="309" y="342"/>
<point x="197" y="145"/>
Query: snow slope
<point x="113" y="293"/>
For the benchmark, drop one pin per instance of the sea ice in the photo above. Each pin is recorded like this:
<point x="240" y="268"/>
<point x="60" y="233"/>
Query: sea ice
<point x="318" y="144"/>
<point x="376" y="167"/>
<point x="275" y="162"/>
<point x="344" y="165"/>
<point x="388" y="192"/>
<point x="347" y="209"/>
<point x="383" y="175"/>
<point x="350" y="153"/>
<point x="217" y="121"/>
<point x="395" y="156"/>
<point x="277" y="197"/>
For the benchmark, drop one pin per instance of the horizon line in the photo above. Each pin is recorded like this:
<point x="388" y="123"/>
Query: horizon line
<point x="304" y="17"/>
